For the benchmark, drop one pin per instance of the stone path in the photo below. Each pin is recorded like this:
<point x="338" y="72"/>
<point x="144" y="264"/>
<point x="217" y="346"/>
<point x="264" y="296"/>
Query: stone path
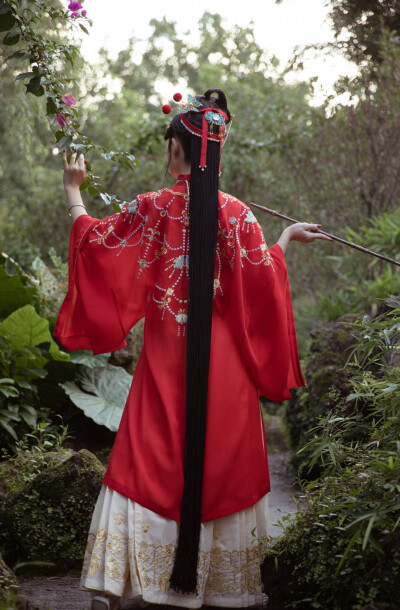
<point x="63" y="593"/>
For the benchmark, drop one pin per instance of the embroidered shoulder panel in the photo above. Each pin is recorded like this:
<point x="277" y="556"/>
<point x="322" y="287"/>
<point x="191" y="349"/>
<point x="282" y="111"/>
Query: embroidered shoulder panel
<point x="157" y="224"/>
<point x="240" y="234"/>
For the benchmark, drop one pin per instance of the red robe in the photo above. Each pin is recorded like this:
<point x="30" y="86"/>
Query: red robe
<point x="135" y="264"/>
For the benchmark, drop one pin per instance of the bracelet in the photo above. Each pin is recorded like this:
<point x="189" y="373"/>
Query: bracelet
<point x="76" y="205"/>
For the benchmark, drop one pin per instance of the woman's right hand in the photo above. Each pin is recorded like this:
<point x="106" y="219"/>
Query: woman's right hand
<point x="75" y="172"/>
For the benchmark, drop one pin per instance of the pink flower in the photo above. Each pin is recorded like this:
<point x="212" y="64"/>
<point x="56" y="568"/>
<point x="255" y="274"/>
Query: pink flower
<point x="69" y="100"/>
<point x="83" y="13"/>
<point x="62" y="120"/>
<point x="73" y="15"/>
<point x="74" y="6"/>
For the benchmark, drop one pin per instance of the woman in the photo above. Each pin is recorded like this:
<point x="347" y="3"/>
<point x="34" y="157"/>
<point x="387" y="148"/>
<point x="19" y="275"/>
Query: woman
<point x="187" y="482"/>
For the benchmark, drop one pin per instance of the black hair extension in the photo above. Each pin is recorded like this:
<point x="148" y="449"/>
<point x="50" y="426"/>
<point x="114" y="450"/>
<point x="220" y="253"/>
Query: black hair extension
<point x="203" y="227"/>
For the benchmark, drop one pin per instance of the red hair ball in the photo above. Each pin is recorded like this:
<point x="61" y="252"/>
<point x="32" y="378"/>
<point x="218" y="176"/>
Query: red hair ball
<point x="166" y="109"/>
<point x="177" y="97"/>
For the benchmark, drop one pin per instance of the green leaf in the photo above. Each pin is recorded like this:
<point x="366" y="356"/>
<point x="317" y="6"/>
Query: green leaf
<point x="11" y="38"/>
<point x="8" y="428"/>
<point x="24" y="75"/>
<point x="368" y="531"/>
<point x="87" y="358"/>
<point x="84" y="29"/>
<point x="18" y="55"/>
<point x="347" y="550"/>
<point x="34" y="85"/>
<point x="84" y="185"/>
<point x="25" y="328"/>
<point x="64" y="142"/>
<point x="59" y="134"/>
<point x="29" y="415"/>
<point x="5" y="7"/>
<point x="51" y="107"/>
<point x="22" y="383"/>
<point x="8" y="390"/>
<point x="14" y="288"/>
<point x="7" y="20"/>
<point x="108" y="387"/>
<point x="10" y="415"/>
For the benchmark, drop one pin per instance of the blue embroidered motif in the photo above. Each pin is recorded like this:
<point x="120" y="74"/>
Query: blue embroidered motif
<point x="182" y="261"/>
<point x="132" y="206"/>
<point x="250" y="217"/>
<point x="181" y="317"/>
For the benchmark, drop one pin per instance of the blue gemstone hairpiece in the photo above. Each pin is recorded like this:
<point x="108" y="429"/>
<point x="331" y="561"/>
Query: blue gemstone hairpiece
<point x="192" y="105"/>
<point x="214" y="117"/>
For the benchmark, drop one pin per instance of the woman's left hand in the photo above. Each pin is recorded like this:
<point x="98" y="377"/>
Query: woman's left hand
<point x="305" y="232"/>
<point x="75" y="171"/>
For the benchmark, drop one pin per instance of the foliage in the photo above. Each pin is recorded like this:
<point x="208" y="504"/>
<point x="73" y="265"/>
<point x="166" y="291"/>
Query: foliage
<point x="23" y="356"/>
<point x="48" y="75"/>
<point x="40" y="449"/>
<point x="365" y="281"/>
<point x="26" y="348"/>
<point x="343" y="548"/>
<point x="17" y="287"/>
<point x="101" y="394"/>
<point x="28" y="355"/>
<point x="328" y="380"/>
<point x="358" y="26"/>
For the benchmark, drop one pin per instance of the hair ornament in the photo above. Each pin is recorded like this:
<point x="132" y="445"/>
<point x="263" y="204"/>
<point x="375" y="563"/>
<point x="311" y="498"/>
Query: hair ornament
<point x="192" y="105"/>
<point x="214" y="118"/>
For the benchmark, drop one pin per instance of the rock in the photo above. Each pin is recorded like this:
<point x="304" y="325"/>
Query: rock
<point x="8" y="584"/>
<point x="48" y="518"/>
<point x="16" y="472"/>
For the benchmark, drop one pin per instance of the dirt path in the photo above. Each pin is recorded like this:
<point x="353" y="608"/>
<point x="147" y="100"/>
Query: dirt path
<point x="63" y="592"/>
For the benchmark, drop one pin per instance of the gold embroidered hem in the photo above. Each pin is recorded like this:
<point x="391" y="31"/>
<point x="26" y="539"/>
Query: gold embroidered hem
<point x="130" y="553"/>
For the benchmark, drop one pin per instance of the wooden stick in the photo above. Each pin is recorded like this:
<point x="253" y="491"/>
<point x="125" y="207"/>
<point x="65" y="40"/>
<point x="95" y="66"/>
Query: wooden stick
<point x="339" y="239"/>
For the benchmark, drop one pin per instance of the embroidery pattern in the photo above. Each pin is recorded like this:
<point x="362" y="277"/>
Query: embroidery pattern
<point x="132" y="228"/>
<point x="220" y="571"/>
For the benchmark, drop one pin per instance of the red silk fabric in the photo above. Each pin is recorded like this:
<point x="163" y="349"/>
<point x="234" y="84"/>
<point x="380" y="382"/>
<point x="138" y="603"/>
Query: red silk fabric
<point x="135" y="264"/>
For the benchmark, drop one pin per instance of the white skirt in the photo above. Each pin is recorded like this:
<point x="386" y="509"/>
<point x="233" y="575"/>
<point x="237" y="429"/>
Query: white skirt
<point x="130" y="553"/>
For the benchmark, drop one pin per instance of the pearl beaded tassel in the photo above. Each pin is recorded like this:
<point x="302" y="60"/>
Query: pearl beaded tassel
<point x="196" y="134"/>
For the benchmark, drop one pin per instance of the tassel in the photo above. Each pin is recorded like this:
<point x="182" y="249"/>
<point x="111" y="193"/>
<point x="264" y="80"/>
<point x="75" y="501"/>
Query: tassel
<point x="204" y="137"/>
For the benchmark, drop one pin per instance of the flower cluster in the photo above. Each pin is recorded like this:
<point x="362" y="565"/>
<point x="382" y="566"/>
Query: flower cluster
<point x="69" y="101"/>
<point x="75" y="7"/>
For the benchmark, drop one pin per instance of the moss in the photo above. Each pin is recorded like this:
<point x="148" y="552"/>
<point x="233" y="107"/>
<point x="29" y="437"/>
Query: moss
<point x="49" y="517"/>
<point x="15" y="472"/>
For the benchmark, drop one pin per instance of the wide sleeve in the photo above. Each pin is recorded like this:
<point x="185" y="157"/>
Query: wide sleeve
<point x="264" y="315"/>
<point x="108" y="288"/>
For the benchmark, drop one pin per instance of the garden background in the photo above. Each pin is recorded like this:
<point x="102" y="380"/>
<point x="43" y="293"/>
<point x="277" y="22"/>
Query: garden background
<point x="336" y="163"/>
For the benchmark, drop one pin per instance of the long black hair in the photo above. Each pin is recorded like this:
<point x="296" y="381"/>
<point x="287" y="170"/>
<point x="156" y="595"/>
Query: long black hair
<point x="203" y="227"/>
